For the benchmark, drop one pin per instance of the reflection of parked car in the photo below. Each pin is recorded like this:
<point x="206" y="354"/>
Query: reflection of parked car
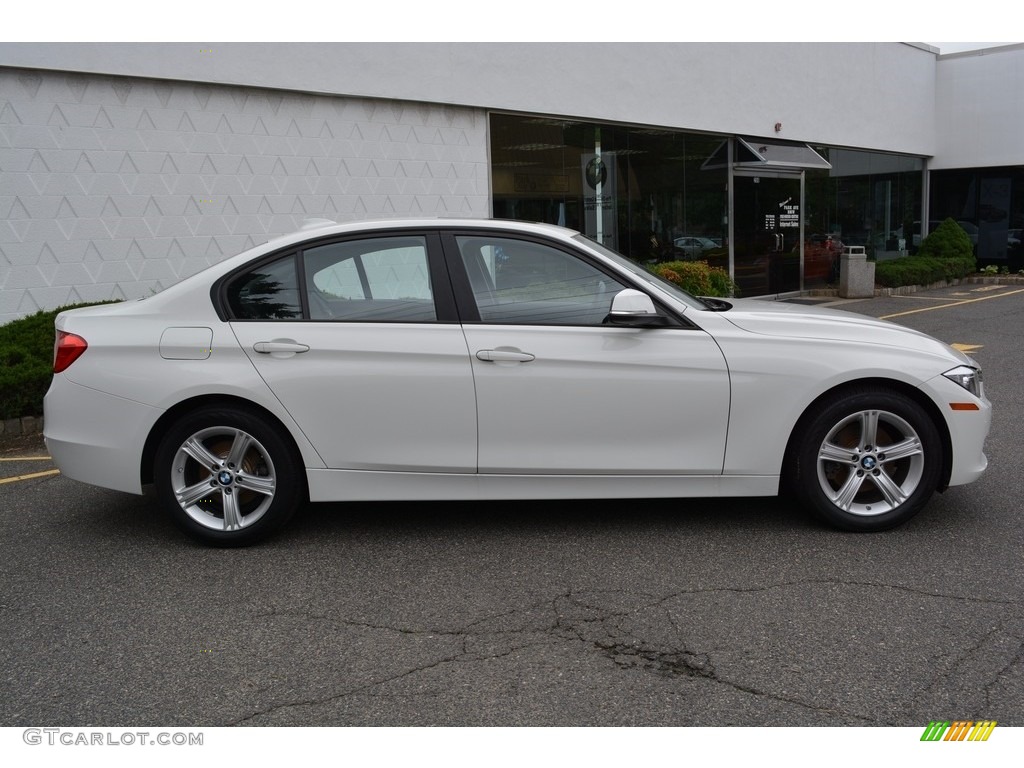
<point x="693" y="247"/>
<point x="916" y="237"/>
<point x="821" y="259"/>
<point x="1013" y="237"/>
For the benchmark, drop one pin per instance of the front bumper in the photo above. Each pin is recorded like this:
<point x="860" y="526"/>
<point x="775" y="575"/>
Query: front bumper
<point x="967" y="428"/>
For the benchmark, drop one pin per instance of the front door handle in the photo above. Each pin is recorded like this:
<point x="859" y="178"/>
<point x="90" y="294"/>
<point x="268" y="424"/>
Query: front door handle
<point x="279" y="346"/>
<point x="505" y="355"/>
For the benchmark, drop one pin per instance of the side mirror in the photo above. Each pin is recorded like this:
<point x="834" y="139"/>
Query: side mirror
<point x="636" y="309"/>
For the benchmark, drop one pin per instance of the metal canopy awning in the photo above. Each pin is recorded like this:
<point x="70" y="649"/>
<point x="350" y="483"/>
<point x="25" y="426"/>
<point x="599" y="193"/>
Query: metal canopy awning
<point x="766" y="154"/>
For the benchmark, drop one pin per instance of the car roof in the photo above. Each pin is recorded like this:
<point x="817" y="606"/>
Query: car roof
<point x="321" y="227"/>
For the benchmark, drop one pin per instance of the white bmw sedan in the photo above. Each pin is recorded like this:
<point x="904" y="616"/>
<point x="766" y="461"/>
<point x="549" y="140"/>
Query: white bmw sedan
<point x="441" y="359"/>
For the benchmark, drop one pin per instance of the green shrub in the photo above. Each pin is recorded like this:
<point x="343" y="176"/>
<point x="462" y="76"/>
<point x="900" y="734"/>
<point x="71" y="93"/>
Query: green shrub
<point x="696" y="277"/>
<point x="23" y="382"/>
<point x="946" y="254"/>
<point x="948" y="241"/>
<point x="26" y="362"/>
<point x="922" y="270"/>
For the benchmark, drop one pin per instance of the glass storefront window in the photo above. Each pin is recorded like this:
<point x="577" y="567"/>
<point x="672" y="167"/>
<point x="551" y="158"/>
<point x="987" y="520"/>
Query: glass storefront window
<point x="639" y="191"/>
<point x="653" y="195"/>
<point x="867" y="198"/>
<point x="989" y="204"/>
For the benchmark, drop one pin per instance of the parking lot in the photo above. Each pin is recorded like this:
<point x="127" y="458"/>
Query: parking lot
<point x="666" y="612"/>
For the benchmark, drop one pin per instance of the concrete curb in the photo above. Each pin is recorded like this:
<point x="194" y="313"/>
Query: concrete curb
<point x="906" y="290"/>
<point x="26" y="425"/>
<point x="996" y="279"/>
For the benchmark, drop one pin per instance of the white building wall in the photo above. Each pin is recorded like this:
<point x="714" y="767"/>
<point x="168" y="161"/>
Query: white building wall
<point x="878" y="96"/>
<point x="112" y="187"/>
<point x="980" y="109"/>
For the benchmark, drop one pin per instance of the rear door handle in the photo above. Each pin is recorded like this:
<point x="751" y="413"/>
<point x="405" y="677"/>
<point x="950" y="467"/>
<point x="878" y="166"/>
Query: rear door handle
<point x="287" y="346"/>
<point x="504" y="356"/>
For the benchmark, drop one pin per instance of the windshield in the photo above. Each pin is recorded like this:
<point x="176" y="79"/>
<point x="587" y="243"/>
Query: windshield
<point x="643" y="274"/>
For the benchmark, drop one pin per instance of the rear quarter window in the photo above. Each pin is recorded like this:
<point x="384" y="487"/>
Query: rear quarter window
<point x="267" y="292"/>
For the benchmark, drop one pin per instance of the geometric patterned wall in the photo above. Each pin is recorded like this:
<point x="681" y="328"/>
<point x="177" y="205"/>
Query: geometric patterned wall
<point x="114" y="187"/>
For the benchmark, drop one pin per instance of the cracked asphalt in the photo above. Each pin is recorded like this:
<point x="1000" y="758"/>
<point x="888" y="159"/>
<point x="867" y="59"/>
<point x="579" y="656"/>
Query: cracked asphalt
<point x="695" y="612"/>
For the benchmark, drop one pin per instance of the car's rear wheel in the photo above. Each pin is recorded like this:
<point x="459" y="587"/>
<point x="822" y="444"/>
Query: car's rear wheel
<point x="866" y="462"/>
<point x="227" y="476"/>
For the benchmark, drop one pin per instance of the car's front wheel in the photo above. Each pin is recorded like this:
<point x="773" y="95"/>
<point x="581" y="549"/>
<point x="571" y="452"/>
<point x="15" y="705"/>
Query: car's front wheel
<point x="227" y="476"/>
<point x="868" y="461"/>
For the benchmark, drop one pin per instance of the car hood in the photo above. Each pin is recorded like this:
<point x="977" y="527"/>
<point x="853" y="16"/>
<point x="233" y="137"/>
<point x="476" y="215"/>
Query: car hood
<point x="798" y="321"/>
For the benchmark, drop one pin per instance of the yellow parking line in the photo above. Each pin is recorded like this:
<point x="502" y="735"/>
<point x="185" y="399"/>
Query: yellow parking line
<point x="929" y="298"/>
<point x="27" y="458"/>
<point x="966" y="348"/>
<point x="29" y="477"/>
<point x="954" y="304"/>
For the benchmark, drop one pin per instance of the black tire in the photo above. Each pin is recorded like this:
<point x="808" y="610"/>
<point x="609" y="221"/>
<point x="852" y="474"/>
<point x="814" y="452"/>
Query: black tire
<point x="868" y="461"/>
<point x="253" y="473"/>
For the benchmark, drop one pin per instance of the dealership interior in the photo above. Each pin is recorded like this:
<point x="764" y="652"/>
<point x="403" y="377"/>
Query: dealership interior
<point x="786" y="208"/>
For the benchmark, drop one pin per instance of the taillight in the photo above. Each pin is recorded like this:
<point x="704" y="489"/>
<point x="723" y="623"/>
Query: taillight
<point x="66" y="349"/>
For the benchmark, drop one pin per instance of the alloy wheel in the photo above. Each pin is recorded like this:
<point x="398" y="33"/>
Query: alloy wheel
<point x="223" y="478"/>
<point x="870" y="463"/>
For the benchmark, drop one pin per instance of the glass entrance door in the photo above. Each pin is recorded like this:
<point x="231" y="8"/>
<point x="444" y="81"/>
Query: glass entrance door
<point x="766" y="234"/>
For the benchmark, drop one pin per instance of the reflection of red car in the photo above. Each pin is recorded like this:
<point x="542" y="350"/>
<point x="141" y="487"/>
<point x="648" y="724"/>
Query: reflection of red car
<point x="821" y="259"/>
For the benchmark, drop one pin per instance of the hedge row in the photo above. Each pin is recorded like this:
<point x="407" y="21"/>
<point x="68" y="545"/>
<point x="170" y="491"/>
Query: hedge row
<point x="922" y="270"/>
<point x="696" y="277"/>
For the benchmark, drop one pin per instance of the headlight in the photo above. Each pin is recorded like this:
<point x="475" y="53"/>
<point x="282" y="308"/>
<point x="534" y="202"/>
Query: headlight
<point x="968" y="378"/>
